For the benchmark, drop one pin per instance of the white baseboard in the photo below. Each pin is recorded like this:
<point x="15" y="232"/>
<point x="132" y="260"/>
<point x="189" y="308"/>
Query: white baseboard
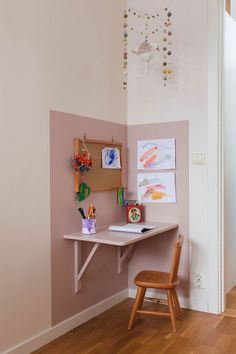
<point x="192" y="304"/>
<point x="54" y="332"/>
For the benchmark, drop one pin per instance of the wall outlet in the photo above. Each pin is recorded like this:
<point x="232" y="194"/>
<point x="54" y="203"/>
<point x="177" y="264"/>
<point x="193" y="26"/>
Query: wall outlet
<point x="199" y="280"/>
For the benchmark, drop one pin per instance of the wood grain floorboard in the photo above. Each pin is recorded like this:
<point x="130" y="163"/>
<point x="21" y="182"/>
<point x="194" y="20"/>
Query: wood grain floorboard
<point x="197" y="333"/>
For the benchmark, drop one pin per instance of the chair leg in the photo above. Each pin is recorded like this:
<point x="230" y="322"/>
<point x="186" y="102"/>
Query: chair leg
<point x="141" y="298"/>
<point x="171" y="309"/>
<point x="136" y="306"/>
<point x="176" y="302"/>
<point x="174" y="305"/>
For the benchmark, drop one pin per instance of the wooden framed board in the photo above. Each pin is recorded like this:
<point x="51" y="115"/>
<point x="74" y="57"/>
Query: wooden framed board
<point x="98" y="178"/>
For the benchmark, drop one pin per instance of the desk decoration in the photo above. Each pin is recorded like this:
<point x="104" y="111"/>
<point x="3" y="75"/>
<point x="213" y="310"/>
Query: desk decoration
<point x="156" y="187"/>
<point x="134" y="212"/>
<point x="153" y="32"/>
<point x="81" y="210"/>
<point x="91" y="211"/>
<point x="88" y="224"/>
<point x="156" y="154"/>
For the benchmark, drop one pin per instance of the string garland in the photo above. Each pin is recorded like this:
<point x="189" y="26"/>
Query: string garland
<point x="155" y="32"/>
<point x="125" y="54"/>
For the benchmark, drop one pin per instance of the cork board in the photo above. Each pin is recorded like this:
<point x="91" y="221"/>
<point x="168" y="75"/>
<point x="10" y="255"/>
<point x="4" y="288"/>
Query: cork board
<point x="98" y="178"/>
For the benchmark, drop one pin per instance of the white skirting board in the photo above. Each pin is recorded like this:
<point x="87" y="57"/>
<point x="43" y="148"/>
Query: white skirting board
<point x="54" y="332"/>
<point x="191" y="303"/>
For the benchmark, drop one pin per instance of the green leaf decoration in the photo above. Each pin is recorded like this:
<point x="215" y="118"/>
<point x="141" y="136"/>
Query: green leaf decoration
<point x="84" y="192"/>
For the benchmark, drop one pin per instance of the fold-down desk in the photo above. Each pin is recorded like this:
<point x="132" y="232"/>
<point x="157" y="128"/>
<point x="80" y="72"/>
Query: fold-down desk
<point x="124" y="240"/>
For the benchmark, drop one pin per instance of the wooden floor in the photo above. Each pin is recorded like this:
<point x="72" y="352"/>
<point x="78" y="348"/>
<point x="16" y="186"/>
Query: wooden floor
<point x="231" y="298"/>
<point x="197" y="333"/>
<point x="231" y="303"/>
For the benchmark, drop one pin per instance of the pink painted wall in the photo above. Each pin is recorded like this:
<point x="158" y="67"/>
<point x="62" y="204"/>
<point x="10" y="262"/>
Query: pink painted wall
<point x="156" y="253"/>
<point x="101" y="279"/>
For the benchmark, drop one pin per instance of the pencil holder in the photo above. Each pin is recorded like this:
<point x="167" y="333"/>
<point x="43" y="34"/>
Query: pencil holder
<point x="88" y="226"/>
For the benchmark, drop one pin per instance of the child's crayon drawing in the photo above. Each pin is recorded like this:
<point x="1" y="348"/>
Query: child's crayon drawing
<point x="156" y="187"/>
<point x="111" y="158"/>
<point x="156" y="154"/>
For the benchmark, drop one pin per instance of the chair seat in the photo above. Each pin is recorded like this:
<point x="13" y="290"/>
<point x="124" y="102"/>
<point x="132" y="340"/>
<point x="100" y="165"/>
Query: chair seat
<point x="155" y="280"/>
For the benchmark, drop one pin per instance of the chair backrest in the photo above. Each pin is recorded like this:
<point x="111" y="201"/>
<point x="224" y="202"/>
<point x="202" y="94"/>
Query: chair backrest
<point x="176" y="259"/>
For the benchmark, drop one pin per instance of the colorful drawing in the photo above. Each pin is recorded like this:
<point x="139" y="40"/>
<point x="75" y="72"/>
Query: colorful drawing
<point x="111" y="158"/>
<point x="156" y="187"/>
<point x="156" y="154"/>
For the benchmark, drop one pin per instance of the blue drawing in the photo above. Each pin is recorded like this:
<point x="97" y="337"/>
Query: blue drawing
<point x="111" y="158"/>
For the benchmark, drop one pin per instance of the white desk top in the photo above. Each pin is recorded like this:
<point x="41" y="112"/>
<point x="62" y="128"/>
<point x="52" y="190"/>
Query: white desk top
<point x="121" y="238"/>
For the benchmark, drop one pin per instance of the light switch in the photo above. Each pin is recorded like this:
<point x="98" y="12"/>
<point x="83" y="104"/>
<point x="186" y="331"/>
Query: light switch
<point x="199" y="158"/>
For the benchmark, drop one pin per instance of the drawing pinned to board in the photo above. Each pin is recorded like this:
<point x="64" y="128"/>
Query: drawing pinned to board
<point x="111" y="158"/>
<point x="156" y="187"/>
<point x="156" y="154"/>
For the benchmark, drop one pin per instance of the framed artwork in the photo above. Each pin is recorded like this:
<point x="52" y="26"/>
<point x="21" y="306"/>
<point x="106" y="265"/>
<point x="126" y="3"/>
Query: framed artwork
<point x="156" y="154"/>
<point x="156" y="187"/>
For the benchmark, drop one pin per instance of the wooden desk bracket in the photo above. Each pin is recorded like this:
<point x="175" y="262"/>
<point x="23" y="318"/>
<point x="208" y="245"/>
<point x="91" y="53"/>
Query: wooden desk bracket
<point x="122" y="256"/>
<point x="79" y="268"/>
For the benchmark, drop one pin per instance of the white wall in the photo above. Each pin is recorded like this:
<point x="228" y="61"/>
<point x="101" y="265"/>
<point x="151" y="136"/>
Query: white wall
<point x="62" y="55"/>
<point x="229" y="109"/>
<point x="195" y="55"/>
<point x="214" y="159"/>
<point x="25" y="224"/>
<point x="148" y="99"/>
<point x="85" y="50"/>
<point x="233" y="9"/>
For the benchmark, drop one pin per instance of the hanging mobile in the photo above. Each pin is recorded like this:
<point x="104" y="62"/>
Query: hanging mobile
<point x="150" y="26"/>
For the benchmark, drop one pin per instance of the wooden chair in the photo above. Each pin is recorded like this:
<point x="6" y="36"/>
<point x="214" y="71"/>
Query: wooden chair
<point x="159" y="280"/>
